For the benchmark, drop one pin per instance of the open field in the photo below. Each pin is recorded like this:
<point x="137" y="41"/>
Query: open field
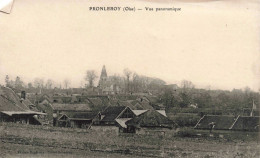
<point x="41" y="141"/>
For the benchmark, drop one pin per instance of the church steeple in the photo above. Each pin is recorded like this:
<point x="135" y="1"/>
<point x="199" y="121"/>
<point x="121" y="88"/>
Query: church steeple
<point x="103" y="72"/>
<point x="103" y="76"/>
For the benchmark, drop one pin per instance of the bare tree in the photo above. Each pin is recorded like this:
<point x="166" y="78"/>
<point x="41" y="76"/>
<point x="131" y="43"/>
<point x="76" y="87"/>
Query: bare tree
<point x="49" y="84"/>
<point x="7" y="81"/>
<point x="187" y="84"/>
<point x="128" y="74"/>
<point x="136" y="82"/>
<point x="18" y="83"/>
<point x="90" y="77"/>
<point x="38" y="83"/>
<point x="66" y="83"/>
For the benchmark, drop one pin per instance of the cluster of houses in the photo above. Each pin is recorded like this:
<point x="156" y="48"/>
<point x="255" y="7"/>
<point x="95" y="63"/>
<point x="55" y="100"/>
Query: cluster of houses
<point x="120" y="113"/>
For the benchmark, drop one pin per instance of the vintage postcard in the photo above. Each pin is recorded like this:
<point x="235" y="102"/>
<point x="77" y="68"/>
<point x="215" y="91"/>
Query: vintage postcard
<point x="130" y="78"/>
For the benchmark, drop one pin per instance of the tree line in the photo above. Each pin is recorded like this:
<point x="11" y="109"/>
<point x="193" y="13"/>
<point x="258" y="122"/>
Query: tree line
<point x="185" y="97"/>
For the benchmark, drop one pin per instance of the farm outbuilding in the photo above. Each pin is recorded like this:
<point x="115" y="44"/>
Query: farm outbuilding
<point x="220" y="122"/>
<point x="113" y="118"/>
<point x="149" y="122"/>
<point x="246" y="123"/>
<point x="76" y="119"/>
<point x="13" y="109"/>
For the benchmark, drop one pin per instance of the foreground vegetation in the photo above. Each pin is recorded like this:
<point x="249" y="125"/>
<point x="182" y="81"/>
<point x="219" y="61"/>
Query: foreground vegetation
<point x="44" y="141"/>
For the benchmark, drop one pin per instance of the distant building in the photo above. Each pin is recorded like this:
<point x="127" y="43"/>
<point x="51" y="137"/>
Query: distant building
<point x="76" y="119"/>
<point x="113" y="119"/>
<point x="109" y="84"/>
<point x="150" y="121"/>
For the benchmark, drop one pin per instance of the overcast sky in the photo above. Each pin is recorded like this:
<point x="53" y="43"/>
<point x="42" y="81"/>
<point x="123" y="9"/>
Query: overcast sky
<point x="208" y="43"/>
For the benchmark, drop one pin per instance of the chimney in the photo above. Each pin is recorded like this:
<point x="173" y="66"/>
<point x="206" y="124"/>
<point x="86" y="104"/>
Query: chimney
<point x="23" y="95"/>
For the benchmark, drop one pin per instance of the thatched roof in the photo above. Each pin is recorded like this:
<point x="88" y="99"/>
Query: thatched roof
<point x="151" y="118"/>
<point x="11" y="104"/>
<point x="10" y="101"/>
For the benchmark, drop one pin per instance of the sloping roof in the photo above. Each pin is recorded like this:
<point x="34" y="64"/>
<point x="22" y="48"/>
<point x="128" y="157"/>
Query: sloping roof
<point x="140" y="105"/>
<point x="76" y="107"/>
<point x="122" y="121"/>
<point x="30" y="105"/>
<point x="151" y="118"/>
<point x="10" y="104"/>
<point x="111" y="112"/>
<point x="10" y="100"/>
<point x="247" y="123"/>
<point x="80" y="115"/>
<point x="113" y="102"/>
<point x="96" y="101"/>
<point x="126" y="97"/>
<point x="139" y="112"/>
<point x="221" y="122"/>
<point x="151" y="99"/>
<point x="136" y="105"/>
<point x="11" y="113"/>
<point x="125" y="103"/>
<point x="6" y="105"/>
<point x="27" y="102"/>
<point x="62" y="99"/>
<point x="41" y="97"/>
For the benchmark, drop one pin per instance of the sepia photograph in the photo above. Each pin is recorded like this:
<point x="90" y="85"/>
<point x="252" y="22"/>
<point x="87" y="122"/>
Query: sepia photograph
<point x="129" y="78"/>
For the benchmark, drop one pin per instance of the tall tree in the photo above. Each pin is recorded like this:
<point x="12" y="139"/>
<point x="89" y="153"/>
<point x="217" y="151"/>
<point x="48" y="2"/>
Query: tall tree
<point x="30" y="86"/>
<point x="38" y="83"/>
<point x="18" y="83"/>
<point x="128" y="74"/>
<point x="7" y="81"/>
<point x="91" y="77"/>
<point x="49" y="84"/>
<point x="187" y="85"/>
<point x="66" y="83"/>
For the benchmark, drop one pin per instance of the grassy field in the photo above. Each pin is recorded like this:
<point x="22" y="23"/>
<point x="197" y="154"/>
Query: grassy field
<point x="41" y="141"/>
